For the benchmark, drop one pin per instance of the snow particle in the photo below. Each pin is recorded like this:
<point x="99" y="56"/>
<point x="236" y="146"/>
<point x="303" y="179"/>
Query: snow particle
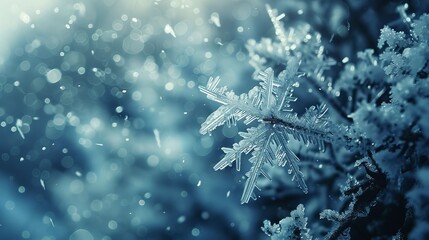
<point x="157" y="138"/>
<point x="25" y="18"/>
<point x="116" y="58"/>
<point x="208" y="55"/>
<point x="81" y="70"/>
<point x="112" y="225"/>
<point x="191" y="84"/>
<point x="205" y="215"/>
<point x="181" y="219"/>
<point x="53" y="75"/>
<point x="96" y="205"/>
<point x="195" y="232"/>
<point x="18" y="127"/>
<point x="214" y="18"/>
<point x="119" y="109"/>
<point x="21" y="189"/>
<point x="169" y="30"/>
<point x="152" y="161"/>
<point x="43" y="184"/>
<point x="169" y="86"/>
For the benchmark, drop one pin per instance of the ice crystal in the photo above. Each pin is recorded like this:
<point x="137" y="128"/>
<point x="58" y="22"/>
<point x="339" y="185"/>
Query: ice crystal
<point x="270" y="104"/>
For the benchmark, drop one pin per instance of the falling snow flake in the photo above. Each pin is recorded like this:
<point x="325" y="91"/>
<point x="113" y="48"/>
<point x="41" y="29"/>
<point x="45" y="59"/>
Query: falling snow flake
<point x="157" y="138"/>
<point x="169" y="30"/>
<point x="19" y="126"/>
<point x="214" y="18"/>
<point x="42" y="183"/>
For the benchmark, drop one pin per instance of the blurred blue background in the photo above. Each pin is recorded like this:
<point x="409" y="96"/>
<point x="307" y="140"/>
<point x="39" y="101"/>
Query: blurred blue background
<point x="100" y="113"/>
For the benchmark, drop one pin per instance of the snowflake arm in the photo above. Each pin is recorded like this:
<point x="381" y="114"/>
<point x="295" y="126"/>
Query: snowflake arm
<point x="285" y="89"/>
<point x="258" y="160"/>
<point x="250" y="140"/>
<point x="267" y="78"/>
<point x="234" y="107"/>
<point x="278" y="25"/>
<point x="287" y="157"/>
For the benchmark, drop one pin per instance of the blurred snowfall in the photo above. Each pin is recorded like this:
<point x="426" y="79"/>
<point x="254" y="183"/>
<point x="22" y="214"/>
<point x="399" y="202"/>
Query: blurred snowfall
<point x="100" y="112"/>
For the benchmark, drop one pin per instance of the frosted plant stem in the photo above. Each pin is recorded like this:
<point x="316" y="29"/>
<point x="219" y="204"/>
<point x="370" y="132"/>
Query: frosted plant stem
<point x="368" y="198"/>
<point x="278" y="121"/>
<point x="371" y="188"/>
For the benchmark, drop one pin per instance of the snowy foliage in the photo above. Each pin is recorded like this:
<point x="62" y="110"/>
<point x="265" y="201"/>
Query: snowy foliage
<point x="393" y="118"/>
<point x="289" y="228"/>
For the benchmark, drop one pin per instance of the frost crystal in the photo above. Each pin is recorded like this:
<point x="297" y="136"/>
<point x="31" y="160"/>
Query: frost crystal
<point x="269" y="103"/>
